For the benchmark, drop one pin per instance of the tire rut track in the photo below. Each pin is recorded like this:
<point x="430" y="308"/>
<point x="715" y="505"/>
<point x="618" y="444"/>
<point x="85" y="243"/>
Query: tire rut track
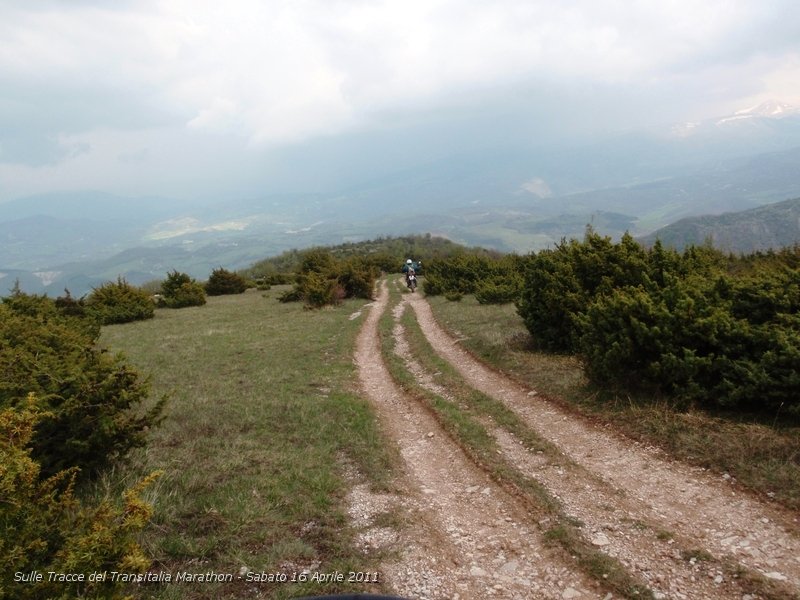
<point x="468" y="537"/>
<point x="614" y="526"/>
<point x="703" y="513"/>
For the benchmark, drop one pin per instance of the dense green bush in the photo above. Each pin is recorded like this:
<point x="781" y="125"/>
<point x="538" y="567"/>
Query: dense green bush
<point x="179" y="290"/>
<point x="34" y="305"/>
<point x="498" y="291"/>
<point x="493" y="279"/>
<point x="67" y="305"/>
<point x="691" y="340"/>
<point x="317" y="260"/>
<point x="92" y="398"/>
<point x="551" y="298"/>
<point x="188" y="294"/>
<point x="119" y="302"/>
<point x="461" y="273"/>
<point x="222" y="282"/>
<point x="44" y="527"/>
<point x="324" y="280"/>
<point x="720" y="331"/>
<point x="294" y="294"/>
<point x="319" y="290"/>
<point x="560" y="284"/>
<point x="356" y="276"/>
<point x="621" y="338"/>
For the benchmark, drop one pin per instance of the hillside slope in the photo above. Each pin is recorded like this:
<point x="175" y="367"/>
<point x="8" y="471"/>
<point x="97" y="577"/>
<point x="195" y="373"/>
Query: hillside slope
<point x="770" y="226"/>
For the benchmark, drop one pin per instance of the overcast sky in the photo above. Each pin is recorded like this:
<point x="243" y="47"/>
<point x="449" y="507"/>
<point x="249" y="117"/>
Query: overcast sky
<point x="190" y="98"/>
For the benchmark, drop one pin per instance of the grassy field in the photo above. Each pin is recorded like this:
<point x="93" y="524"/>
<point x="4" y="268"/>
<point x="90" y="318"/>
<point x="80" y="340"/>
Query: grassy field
<point x="761" y="453"/>
<point x="264" y="420"/>
<point x="261" y="420"/>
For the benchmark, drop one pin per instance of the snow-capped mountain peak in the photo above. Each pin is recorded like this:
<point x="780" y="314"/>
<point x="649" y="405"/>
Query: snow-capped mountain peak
<point x="771" y="109"/>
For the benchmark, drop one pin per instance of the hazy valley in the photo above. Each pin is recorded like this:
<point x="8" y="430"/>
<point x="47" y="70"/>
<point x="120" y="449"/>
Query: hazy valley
<point x="515" y="199"/>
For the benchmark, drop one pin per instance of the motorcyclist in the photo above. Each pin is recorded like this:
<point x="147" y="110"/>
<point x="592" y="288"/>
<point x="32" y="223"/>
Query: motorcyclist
<point x="409" y="269"/>
<point x="411" y="264"/>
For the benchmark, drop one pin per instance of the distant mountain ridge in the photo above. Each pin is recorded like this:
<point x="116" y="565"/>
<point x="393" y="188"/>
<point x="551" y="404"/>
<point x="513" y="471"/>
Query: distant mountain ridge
<point x="767" y="115"/>
<point x="771" y="226"/>
<point x="516" y="198"/>
<point x="772" y="109"/>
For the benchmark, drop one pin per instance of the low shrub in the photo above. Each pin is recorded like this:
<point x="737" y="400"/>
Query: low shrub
<point x="691" y="340"/>
<point x="720" y="331"/>
<point x="357" y="277"/>
<point x="292" y="295"/>
<point x="92" y="399"/>
<point x="498" y="291"/>
<point x="433" y="284"/>
<point x="188" y="294"/>
<point x="493" y="279"/>
<point x="179" y="291"/>
<point x="119" y="302"/>
<point x="67" y="305"/>
<point x="324" y="280"/>
<point x="222" y="282"/>
<point x="45" y="527"/>
<point x="318" y="291"/>
<point x="560" y="284"/>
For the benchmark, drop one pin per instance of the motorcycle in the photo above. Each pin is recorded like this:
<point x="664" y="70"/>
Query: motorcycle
<point x="411" y="281"/>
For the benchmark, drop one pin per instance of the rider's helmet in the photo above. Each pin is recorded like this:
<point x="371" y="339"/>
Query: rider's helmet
<point x="409" y="261"/>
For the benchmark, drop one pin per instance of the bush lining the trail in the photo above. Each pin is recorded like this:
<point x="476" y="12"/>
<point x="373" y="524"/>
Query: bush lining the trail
<point x="699" y="326"/>
<point x="493" y="280"/>
<point x="685" y="340"/>
<point x="46" y="527"/>
<point x="91" y="398"/>
<point x="560" y="284"/>
<point x="324" y="280"/>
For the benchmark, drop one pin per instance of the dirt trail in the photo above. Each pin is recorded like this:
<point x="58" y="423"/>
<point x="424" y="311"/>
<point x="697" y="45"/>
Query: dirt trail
<point x="625" y="493"/>
<point x="467" y="538"/>
<point x="610" y="522"/>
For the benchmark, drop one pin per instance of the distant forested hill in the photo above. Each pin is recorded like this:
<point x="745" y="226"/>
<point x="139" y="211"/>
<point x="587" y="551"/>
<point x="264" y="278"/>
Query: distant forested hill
<point x="769" y="226"/>
<point x="392" y="252"/>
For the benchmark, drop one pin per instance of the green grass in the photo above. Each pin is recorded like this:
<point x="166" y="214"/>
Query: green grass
<point x="762" y="455"/>
<point x="262" y="414"/>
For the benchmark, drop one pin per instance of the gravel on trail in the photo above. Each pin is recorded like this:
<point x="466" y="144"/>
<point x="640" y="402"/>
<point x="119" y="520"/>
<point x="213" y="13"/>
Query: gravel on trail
<point x="678" y="528"/>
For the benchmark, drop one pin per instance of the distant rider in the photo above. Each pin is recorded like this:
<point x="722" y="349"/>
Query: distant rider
<point x="410" y="268"/>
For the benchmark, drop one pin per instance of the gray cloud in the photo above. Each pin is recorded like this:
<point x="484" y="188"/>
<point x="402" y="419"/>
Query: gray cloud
<point x="36" y="117"/>
<point x="153" y="93"/>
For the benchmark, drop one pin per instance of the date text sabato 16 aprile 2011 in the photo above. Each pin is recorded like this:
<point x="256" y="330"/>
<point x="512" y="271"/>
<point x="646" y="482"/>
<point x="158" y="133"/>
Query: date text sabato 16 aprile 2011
<point x="207" y="577"/>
